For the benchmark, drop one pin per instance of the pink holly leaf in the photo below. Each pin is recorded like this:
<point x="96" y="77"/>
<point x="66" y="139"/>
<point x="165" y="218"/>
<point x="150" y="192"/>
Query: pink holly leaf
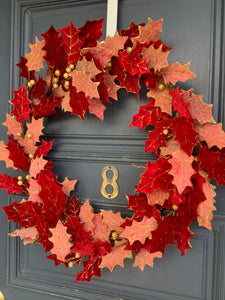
<point x="113" y="220"/>
<point x="4" y="155"/>
<point x="68" y="186"/>
<point x="36" y="57"/>
<point x="28" y="235"/>
<point x="96" y="107"/>
<point x="144" y="258"/>
<point x="14" y="127"/>
<point x="37" y="165"/>
<point x="163" y="99"/>
<point x="34" y="189"/>
<point x="86" y="215"/>
<point x="177" y="72"/>
<point x="155" y="58"/>
<point x="60" y="240"/>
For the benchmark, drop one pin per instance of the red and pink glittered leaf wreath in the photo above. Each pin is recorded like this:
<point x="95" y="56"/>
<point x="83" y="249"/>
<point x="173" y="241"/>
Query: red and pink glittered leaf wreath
<point x="83" y="74"/>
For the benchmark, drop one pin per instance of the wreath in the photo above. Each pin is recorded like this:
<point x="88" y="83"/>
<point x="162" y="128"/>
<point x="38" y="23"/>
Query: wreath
<point x="84" y="74"/>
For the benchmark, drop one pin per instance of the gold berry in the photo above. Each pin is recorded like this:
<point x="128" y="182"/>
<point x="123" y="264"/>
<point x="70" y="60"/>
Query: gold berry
<point x="65" y="75"/>
<point x="129" y="49"/>
<point x="27" y="176"/>
<point x="149" y="237"/>
<point x="55" y="85"/>
<point x="109" y="64"/>
<point x="57" y="73"/>
<point x="55" y="80"/>
<point x="20" y="178"/>
<point x="19" y="134"/>
<point x="66" y="84"/>
<point x="77" y="255"/>
<point x="161" y="87"/>
<point x="114" y="235"/>
<point x="71" y="66"/>
<point x="20" y="182"/>
<point x="175" y="207"/>
<point x="31" y="155"/>
<point x="29" y="135"/>
<point x="68" y="69"/>
<point x="165" y="131"/>
<point x="70" y="264"/>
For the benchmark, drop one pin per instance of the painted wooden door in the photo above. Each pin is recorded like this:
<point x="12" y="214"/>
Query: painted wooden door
<point x="195" y="29"/>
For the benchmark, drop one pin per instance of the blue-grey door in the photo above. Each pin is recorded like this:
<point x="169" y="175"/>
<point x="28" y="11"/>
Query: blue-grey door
<point x="195" y="30"/>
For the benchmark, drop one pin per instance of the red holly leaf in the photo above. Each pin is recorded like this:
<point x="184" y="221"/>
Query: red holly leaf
<point x="213" y="163"/>
<point x="132" y="31"/>
<point x="139" y="204"/>
<point x="55" y="53"/>
<point x="150" y="79"/>
<point x="44" y="234"/>
<point x="24" y="70"/>
<point x="76" y="229"/>
<point x="177" y="72"/>
<point x="71" y="43"/>
<point x="91" y="32"/>
<point x="96" y="107"/>
<point x="4" y="155"/>
<point x="21" y="104"/>
<point x="46" y="106"/>
<point x="36" y="57"/>
<point x="92" y="248"/>
<point x="78" y="102"/>
<point x="179" y="104"/>
<point x="157" y="138"/>
<point x="40" y="88"/>
<point x="73" y="207"/>
<point x="145" y="258"/>
<point x="17" y="155"/>
<point x="11" y="185"/>
<point x="182" y="170"/>
<point x="91" y="268"/>
<point x="28" y="235"/>
<point x="43" y="149"/>
<point x="155" y="177"/>
<point x="133" y="63"/>
<point x="60" y="240"/>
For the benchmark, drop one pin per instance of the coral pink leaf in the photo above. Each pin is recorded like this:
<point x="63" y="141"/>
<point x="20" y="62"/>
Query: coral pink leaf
<point x="155" y="58"/>
<point x="21" y="104"/>
<point x="177" y="72"/>
<point x="68" y="186"/>
<point x="37" y="165"/>
<point x="86" y="215"/>
<point x="28" y="235"/>
<point x="114" y="43"/>
<point x="4" y="155"/>
<point x="163" y="99"/>
<point x="60" y="240"/>
<point x="14" y="127"/>
<point x="36" y="57"/>
<point x="145" y="258"/>
<point x="113" y="220"/>
<point x="96" y="107"/>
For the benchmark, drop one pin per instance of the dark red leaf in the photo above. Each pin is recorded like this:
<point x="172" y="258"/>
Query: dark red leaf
<point x="11" y="185"/>
<point x="179" y="104"/>
<point x="73" y="207"/>
<point x="24" y="70"/>
<point x="17" y="155"/>
<point x="78" y="102"/>
<point x="76" y="229"/>
<point x="91" y="268"/>
<point x="91" y="32"/>
<point x="43" y="149"/>
<point x="21" y="104"/>
<point x="46" y="106"/>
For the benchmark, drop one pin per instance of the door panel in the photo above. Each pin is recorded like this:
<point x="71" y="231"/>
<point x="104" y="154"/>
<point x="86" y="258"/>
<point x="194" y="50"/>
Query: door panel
<point x="194" y="29"/>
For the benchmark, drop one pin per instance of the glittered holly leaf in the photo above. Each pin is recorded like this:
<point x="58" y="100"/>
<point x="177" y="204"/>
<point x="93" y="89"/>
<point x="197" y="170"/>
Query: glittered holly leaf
<point x="91" y="32"/>
<point x="91" y="268"/>
<point x="157" y="137"/>
<point x="150" y="32"/>
<point x="114" y="43"/>
<point x="34" y="189"/>
<point x="36" y="166"/>
<point x="158" y="197"/>
<point x="71" y="43"/>
<point x="205" y="208"/>
<point x="59" y="92"/>
<point x="78" y="102"/>
<point x="46" y="106"/>
<point x="60" y="240"/>
<point x="40" y="88"/>
<point x="76" y="229"/>
<point x="4" y="155"/>
<point x="181" y="169"/>
<point x="101" y="230"/>
<point x="73" y="207"/>
<point x="28" y="235"/>
<point x="113" y="220"/>
<point x="83" y="83"/>
<point x="177" y="72"/>
<point x="163" y="99"/>
<point x="171" y="146"/>
<point x="21" y="104"/>
<point x="34" y="131"/>
<point x="91" y="248"/>
<point x="96" y="107"/>
<point x="212" y="134"/>
<point x="88" y="67"/>
<point x="68" y="186"/>
<point x="139" y="231"/>
<point x="109" y="81"/>
<point x="24" y="70"/>
<point x="35" y="57"/>
<point x="44" y="234"/>
<point x="86" y="215"/>
<point x="139" y="204"/>
<point x="14" y="127"/>
<point x="198" y="109"/>
<point x="55" y="54"/>
<point x="11" y="185"/>
<point x="133" y="63"/>
<point x="213" y="164"/>
<point x="43" y="149"/>
<point x="155" y="58"/>
<point x="116" y="256"/>
<point x="145" y="258"/>
<point x="17" y="155"/>
<point x="179" y="104"/>
<point x="155" y="177"/>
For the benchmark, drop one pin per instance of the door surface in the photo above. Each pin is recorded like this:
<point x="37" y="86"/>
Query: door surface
<point x="195" y="30"/>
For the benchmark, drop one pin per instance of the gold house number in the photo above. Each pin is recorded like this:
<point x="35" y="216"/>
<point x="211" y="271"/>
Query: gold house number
<point x="109" y="182"/>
